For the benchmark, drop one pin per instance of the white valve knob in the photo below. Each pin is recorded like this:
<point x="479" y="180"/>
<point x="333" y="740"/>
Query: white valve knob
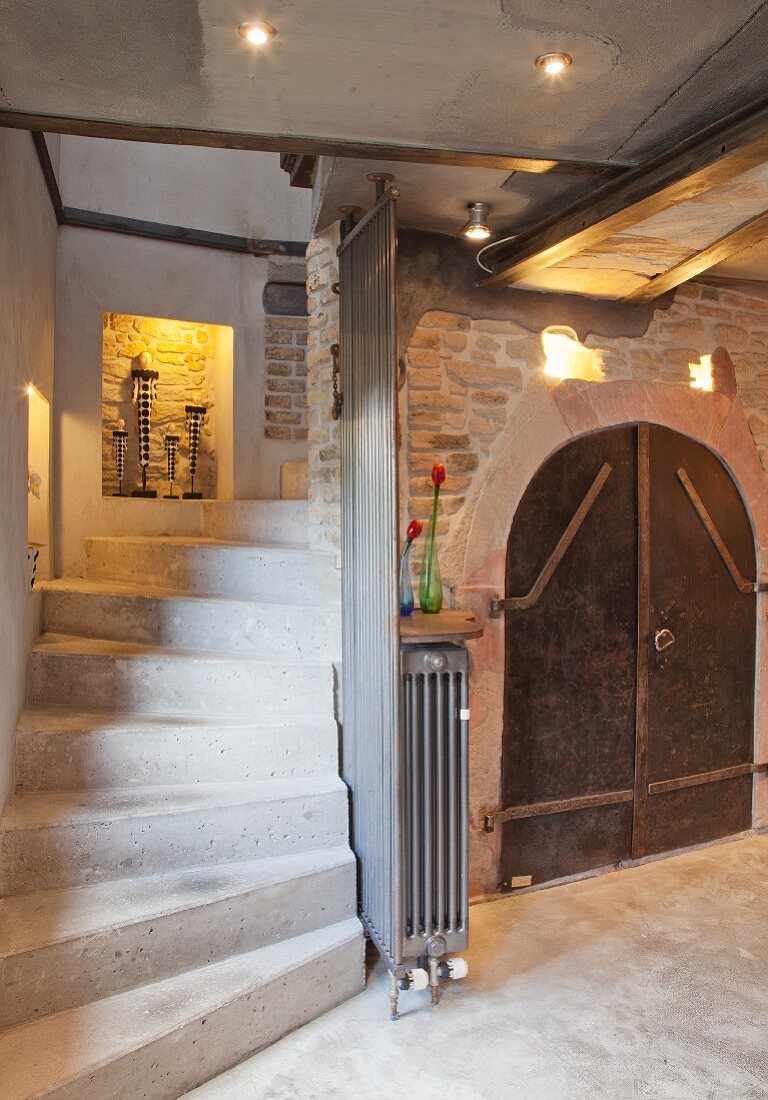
<point x="418" y="978"/>
<point x="457" y="968"/>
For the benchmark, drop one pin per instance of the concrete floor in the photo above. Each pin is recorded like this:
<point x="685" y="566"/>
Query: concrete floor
<point x="651" y="982"/>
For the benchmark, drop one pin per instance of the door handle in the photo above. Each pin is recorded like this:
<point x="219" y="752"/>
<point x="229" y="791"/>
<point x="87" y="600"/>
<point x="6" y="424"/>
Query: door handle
<point x="663" y="639"/>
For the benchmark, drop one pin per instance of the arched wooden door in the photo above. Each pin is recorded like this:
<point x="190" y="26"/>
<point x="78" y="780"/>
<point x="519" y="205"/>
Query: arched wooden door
<point x="630" y="656"/>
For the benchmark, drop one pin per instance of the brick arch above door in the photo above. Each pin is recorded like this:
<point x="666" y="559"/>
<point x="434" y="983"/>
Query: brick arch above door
<point x="547" y="418"/>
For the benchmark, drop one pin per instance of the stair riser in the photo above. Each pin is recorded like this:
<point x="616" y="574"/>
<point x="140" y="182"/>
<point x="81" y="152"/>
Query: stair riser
<point x="273" y="522"/>
<point x="292" y="576"/>
<point x="81" y="853"/>
<point x="178" y="1062"/>
<point x="181" y="685"/>
<point x="142" y="757"/>
<point x="66" y="975"/>
<point x="268" y="630"/>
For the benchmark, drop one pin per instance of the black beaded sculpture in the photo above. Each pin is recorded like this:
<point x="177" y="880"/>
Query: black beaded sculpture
<point x="144" y="393"/>
<point x="171" y="450"/>
<point x="195" y="421"/>
<point x="119" y="448"/>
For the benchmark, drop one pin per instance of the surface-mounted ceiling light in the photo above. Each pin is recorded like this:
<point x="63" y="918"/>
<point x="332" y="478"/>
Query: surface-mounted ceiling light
<point x="256" y="33"/>
<point x="477" y="228"/>
<point x="554" y="63"/>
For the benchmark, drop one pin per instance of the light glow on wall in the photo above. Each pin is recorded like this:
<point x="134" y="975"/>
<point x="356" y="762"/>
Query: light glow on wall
<point x="566" y="357"/>
<point x="701" y="374"/>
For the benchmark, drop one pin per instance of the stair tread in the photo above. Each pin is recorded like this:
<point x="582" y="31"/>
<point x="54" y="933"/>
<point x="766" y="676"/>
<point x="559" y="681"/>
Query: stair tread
<point x="270" y="548"/>
<point x="74" y="645"/>
<point x="34" y="920"/>
<point x="40" y="1056"/>
<point x="66" y="719"/>
<point x="49" y="809"/>
<point x="88" y="587"/>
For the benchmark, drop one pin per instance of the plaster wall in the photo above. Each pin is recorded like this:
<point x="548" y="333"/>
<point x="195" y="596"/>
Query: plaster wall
<point x="27" y="299"/>
<point x="104" y="272"/>
<point x="221" y="190"/>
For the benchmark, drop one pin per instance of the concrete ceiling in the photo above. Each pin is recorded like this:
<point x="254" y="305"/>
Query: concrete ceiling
<point x="454" y="74"/>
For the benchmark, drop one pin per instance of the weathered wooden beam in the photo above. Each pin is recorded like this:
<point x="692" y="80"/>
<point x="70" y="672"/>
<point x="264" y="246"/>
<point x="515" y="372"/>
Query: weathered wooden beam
<point x="308" y="145"/>
<point x="44" y="158"/>
<point x="715" y="155"/>
<point x="177" y="234"/>
<point x="301" y="169"/>
<point x="744" y="236"/>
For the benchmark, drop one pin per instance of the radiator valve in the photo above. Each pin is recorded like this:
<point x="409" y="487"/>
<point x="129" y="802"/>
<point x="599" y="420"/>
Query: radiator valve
<point x="454" y="968"/>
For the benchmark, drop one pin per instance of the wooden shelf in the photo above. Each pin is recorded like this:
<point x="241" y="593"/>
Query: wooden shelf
<point x="446" y="626"/>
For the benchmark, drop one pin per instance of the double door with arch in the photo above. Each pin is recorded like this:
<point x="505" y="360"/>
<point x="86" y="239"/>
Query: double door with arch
<point x="630" y="656"/>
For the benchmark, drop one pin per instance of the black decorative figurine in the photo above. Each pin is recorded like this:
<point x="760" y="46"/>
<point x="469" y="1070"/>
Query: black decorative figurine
<point x="171" y="450"/>
<point x="119" y="447"/>
<point x="144" y="393"/>
<point x="195" y="422"/>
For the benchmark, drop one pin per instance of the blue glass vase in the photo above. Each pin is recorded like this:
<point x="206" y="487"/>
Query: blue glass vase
<point x="406" y="587"/>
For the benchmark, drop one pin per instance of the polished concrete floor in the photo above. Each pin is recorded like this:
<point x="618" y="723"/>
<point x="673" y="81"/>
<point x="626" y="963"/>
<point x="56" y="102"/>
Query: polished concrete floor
<point x="650" y="982"/>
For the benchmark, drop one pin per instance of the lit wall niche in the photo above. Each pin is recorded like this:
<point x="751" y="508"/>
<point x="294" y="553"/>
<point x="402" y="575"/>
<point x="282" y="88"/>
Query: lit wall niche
<point x="194" y="364"/>
<point x="566" y="357"/>
<point x="701" y="374"/>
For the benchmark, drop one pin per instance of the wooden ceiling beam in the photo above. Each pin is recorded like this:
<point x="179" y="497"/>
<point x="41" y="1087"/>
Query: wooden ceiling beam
<point x="715" y="155"/>
<point x="309" y="146"/>
<point x="744" y="236"/>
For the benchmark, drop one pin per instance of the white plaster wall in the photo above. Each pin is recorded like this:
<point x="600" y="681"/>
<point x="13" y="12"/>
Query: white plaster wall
<point x="106" y="271"/>
<point x="27" y="300"/>
<point x="221" y="190"/>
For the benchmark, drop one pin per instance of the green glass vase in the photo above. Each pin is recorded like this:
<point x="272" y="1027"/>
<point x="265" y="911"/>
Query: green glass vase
<point x="430" y="582"/>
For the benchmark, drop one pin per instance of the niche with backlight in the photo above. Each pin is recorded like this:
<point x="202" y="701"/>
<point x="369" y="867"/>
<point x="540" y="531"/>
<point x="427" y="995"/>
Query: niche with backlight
<point x="156" y="369"/>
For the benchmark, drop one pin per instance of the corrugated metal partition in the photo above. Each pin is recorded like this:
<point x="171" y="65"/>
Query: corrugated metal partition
<point x="372" y="760"/>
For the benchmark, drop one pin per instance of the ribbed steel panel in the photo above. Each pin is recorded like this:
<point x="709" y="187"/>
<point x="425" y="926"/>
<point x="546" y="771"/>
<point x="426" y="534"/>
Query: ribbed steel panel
<point x="372" y="757"/>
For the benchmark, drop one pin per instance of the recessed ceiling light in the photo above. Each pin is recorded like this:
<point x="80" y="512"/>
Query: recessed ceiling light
<point x="477" y="228"/>
<point x="554" y="63"/>
<point x="256" y="33"/>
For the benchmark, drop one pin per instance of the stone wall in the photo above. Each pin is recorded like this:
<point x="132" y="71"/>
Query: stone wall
<point x="183" y="352"/>
<point x="285" y="397"/>
<point x="466" y="377"/>
<point x="323" y="321"/>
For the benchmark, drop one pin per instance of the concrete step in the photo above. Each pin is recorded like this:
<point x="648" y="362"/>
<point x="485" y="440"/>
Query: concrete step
<point x="161" y="1040"/>
<point x="208" y="566"/>
<point x="134" y="613"/>
<point x="74" y="838"/>
<point x="59" y="748"/>
<point x="124" y="676"/>
<point x="262" y="522"/>
<point x="63" y="948"/>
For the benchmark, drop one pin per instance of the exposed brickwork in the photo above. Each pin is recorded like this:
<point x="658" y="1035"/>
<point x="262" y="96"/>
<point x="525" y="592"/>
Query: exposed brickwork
<point x="324" y="471"/>
<point x="465" y="377"/>
<point x="285" y="391"/>
<point x="183" y="352"/>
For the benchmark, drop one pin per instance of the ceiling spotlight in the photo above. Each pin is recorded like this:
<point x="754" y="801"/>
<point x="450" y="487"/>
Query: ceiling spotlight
<point x="554" y="63"/>
<point x="256" y="33"/>
<point x="477" y="228"/>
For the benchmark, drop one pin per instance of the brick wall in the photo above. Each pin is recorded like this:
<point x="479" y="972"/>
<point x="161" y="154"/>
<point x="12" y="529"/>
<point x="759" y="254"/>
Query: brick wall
<point x="324" y="474"/>
<point x="183" y="352"/>
<point x="465" y="377"/>
<point x="285" y="396"/>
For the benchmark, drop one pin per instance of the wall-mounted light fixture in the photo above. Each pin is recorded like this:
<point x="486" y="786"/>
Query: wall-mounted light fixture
<point x="566" y="356"/>
<point x="255" y="32"/>
<point x="701" y="374"/>
<point x="477" y="228"/>
<point x="553" y="63"/>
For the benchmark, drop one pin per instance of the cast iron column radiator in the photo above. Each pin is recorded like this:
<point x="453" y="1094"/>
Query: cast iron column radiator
<point x="404" y="753"/>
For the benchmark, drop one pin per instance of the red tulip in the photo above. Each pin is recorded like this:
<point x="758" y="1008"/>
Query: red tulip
<point x="438" y="474"/>
<point x="415" y="527"/>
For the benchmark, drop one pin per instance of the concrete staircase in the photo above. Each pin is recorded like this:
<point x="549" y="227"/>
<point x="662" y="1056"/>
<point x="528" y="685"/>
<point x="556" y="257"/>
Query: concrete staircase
<point x="178" y="886"/>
